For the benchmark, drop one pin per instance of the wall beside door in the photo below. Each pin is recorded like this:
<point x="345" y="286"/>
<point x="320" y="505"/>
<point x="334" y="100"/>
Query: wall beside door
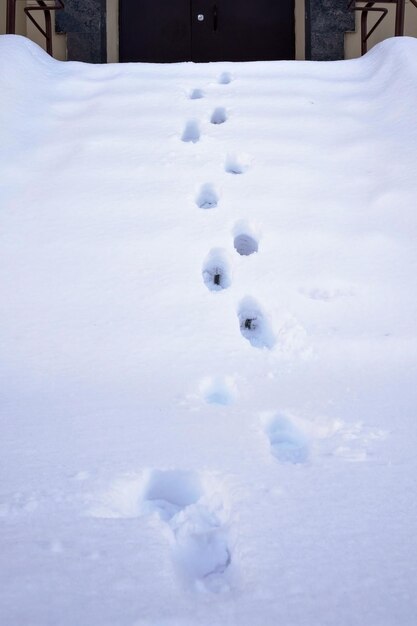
<point x="112" y="31"/>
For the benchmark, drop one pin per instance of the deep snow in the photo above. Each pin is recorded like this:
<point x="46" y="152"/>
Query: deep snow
<point x="208" y="337"/>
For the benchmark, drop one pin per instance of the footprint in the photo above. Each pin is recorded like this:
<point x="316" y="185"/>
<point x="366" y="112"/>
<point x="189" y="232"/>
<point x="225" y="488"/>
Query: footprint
<point x="191" y="132"/>
<point x="191" y="510"/>
<point x="246" y="240"/>
<point x="200" y="548"/>
<point x="219" y="116"/>
<point x="207" y="198"/>
<point x="254" y="325"/>
<point x="245" y="245"/>
<point x="288" y="443"/>
<point x="168" y="492"/>
<point x="154" y="491"/>
<point x="218" y="390"/>
<point x="196" y="94"/>
<point x="225" y="78"/>
<point x="236" y="164"/>
<point x="216" y="271"/>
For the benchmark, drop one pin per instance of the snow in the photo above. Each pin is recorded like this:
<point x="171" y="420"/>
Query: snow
<point x="208" y="338"/>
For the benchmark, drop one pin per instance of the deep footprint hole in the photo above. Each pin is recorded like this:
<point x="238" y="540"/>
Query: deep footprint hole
<point x="216" y="277"/>
<point x="216" y="273"/>
<point x="254" y="326"/>
<point x="250" y="323"/>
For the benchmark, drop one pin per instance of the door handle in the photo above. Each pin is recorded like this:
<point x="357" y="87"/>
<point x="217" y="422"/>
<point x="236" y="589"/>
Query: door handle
<point x="215" y="17"/>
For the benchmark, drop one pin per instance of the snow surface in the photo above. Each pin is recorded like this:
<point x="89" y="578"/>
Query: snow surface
<point x="208" y="337"/>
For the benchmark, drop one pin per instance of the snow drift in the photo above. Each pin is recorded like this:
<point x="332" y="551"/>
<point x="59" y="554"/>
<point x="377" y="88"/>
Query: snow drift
<point x="208" y="333"/>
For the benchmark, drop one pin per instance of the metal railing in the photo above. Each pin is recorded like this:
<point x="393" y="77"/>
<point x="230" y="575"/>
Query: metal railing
<point x="365" y="7"/>
<point x="34" y="6"/>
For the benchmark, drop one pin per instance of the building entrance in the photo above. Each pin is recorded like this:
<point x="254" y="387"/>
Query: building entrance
<point x="168" y="31"/>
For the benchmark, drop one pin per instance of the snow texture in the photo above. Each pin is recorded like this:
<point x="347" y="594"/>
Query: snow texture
<point x="208" y="338"/>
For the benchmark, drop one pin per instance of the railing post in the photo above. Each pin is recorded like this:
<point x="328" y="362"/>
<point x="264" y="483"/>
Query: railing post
<point x="399" y="18"/>
<point x="11" y="17"/>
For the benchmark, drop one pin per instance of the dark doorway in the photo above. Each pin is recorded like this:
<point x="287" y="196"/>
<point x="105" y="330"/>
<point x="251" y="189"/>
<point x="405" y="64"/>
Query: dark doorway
<point x="168" y="31"/>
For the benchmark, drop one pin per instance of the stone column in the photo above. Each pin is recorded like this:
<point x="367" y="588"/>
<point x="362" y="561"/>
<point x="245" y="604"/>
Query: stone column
<point x="326" y="24"/>
<point x="84" y="22"/>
